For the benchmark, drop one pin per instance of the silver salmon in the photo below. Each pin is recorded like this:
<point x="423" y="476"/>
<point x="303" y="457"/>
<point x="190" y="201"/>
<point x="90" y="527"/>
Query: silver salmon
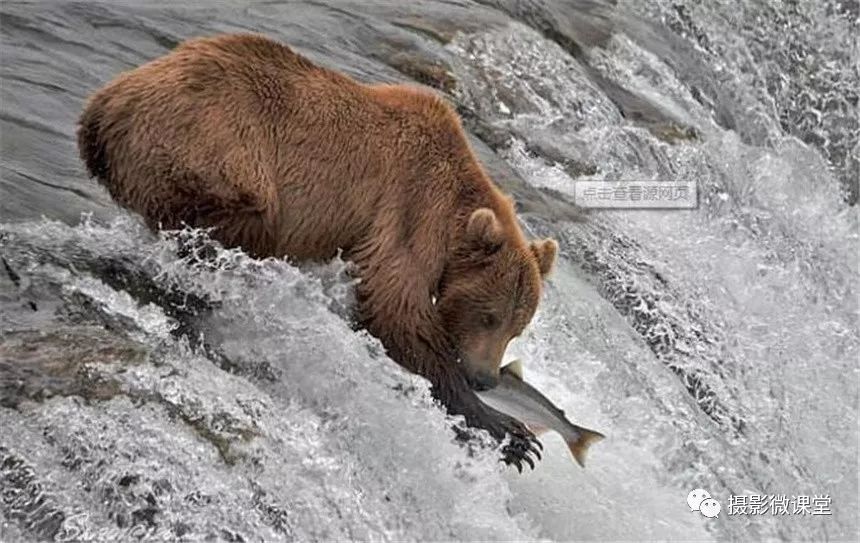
<point x="525" y="403"/>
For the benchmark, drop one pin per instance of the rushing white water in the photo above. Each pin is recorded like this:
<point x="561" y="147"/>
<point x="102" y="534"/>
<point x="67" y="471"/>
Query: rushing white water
<point x="344" y="442"/>
<point x="716" y="348"/>
<point x="754" y="292"/>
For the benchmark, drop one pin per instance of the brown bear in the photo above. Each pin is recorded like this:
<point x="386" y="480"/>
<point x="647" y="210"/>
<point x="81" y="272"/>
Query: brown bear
<point x="286" y="158"/>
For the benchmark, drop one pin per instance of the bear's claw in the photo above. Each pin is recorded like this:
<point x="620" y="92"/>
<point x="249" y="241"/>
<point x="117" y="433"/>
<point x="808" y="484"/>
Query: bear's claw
<point x="520" y="449"/>
<point x="522" y="443"/>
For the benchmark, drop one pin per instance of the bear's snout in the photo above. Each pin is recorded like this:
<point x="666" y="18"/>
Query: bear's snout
<point x="482" y="358"/>
<point x="483" y="381"/>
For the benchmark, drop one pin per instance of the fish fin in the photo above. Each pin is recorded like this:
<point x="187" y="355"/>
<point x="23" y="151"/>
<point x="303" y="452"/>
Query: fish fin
<point x="515" y="368"/>
<point x="579" y="447"/>
<point x="537" y="429"/>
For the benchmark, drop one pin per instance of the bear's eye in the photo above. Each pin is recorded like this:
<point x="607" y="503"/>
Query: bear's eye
<point x="488" y="320"/>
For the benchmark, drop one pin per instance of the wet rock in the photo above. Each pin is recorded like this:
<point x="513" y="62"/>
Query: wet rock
<point x="633" y="107"/>
<point x="574" y="25"/>
<point x="430" y="72"/>
<point x="441" y="31"/>
<point x="529" y="200"/>
<point x="552" y="153"/>
<point x="40" y="364"/>
<point x="496" y="137"/>
<point x="673" y="133"/>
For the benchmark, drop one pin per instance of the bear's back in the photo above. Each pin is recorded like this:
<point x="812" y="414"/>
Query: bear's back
<point x="241" y="126"/>
<point x="251" y="73"/>
<point x="207" y="120"/>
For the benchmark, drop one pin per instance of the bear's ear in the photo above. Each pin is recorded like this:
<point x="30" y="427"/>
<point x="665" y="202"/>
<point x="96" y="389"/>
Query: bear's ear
<point x="484" y="229"/>
<point x="545" y="251"/>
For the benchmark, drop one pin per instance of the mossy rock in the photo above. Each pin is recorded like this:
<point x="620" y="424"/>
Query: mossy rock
<point x="432" y="73"/>
<point x="39" y="364"/>
<point x="673" y="133"/>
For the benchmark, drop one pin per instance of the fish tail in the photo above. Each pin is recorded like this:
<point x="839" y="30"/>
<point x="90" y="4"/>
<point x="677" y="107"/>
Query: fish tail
<point x="579" y="447"/>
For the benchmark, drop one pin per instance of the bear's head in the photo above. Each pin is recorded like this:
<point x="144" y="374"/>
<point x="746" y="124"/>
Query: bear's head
<point x="490" y="291"/>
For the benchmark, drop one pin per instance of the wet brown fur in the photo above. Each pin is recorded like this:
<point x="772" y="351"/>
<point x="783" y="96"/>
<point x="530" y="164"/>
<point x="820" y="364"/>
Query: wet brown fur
<point x="284" y="157"/>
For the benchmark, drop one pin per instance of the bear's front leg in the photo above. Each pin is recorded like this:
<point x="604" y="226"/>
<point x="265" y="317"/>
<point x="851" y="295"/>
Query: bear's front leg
<point x="459" y="399"/>
<point x="396" y="308"/>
